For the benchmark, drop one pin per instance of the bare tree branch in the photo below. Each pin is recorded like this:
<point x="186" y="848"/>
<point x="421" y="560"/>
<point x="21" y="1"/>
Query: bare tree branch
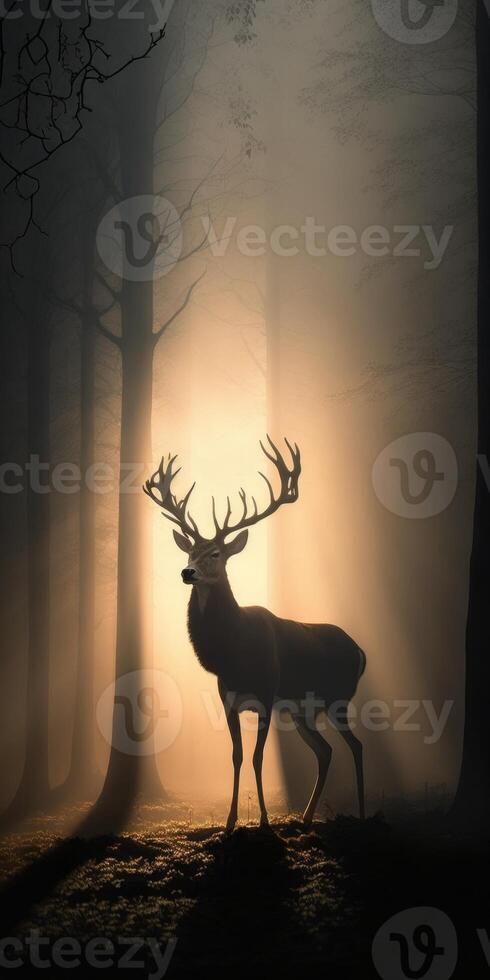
<point x="115" y="293"/>
<point x="44" y="97"/>
<point x="159" y="333"/>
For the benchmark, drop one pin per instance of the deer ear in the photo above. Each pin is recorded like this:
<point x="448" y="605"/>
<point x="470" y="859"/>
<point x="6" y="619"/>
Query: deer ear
<point x="183" y="543"/>
<point x="237" y="545"/>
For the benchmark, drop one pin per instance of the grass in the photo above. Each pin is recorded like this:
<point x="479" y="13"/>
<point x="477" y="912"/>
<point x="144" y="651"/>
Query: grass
<point x="257" y="902"/>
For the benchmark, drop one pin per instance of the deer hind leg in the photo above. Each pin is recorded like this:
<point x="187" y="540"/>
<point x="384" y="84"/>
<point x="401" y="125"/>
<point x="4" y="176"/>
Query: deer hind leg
<point x="262" y="732"/>
<point x="233" y="720"/>
<point x="341" y="722"/>
<point x="323" y="752"/>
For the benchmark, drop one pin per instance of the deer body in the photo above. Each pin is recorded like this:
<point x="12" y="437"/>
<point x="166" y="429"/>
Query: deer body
<point x="254" y="652"/>
<point x="261" y="660"/>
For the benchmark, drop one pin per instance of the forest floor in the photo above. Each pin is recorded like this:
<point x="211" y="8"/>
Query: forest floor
<point x="255" y="903"/>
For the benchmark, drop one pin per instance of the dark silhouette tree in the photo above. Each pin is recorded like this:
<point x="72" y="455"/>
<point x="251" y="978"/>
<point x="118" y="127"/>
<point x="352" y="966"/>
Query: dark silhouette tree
<point x="35" y="317"/>
<point x="34" y="788"/>
<point x="472" y="802"/>
<point x="84" y="779"/>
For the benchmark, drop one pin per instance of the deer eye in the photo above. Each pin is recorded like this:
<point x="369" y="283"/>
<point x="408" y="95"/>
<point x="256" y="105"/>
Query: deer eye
<point x="215" y="554"/>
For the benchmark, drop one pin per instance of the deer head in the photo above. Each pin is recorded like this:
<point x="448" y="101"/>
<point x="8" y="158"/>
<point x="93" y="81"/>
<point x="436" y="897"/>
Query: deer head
<point x="207" y="557"/>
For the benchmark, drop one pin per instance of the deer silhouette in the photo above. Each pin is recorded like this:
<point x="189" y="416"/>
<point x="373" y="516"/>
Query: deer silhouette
<point x="260" y="660"/>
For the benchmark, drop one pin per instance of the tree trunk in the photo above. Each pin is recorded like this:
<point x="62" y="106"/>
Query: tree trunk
<point x="472" y="802"/>
<point x="34" y="789"/>
<point x="137" y="362"/>
<point x="293" y="753"/>
<point x="130" y="770"/>
<point x="84" y="779"/>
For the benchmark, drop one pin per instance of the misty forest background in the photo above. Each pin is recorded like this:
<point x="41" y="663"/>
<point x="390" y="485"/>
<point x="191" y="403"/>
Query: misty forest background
<point x="270" y="112"/>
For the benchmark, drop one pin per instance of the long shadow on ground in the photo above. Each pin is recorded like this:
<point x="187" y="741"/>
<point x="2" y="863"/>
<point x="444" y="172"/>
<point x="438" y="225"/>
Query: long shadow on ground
<point x="254" y="903"/>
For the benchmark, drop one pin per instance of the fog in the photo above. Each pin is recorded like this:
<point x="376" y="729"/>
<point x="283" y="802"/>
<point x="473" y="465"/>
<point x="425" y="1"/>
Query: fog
<point x="342" y="341"/>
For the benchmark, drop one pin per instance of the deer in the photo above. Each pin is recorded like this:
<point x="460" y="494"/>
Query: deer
<point x="262" y="662"/>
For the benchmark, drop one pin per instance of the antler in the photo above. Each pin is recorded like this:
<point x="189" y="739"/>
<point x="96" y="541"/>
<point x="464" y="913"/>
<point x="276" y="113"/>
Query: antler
<point x="288" y="493"/>
<point x="173" y="509"/>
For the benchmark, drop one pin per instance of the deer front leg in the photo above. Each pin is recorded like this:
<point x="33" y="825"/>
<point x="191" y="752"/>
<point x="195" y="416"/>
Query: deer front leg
<point x="262" y="732"/>
<point x="236" y="737"/>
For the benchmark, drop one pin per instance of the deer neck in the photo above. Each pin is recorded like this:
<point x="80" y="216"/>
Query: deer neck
<point x="211" y="598"/>
<point x="213" y="620"/>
